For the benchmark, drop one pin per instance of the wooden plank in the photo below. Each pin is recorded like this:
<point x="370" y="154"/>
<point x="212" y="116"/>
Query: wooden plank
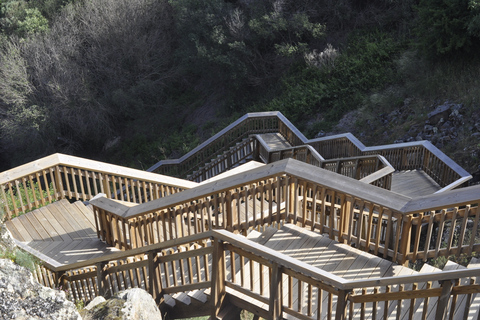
<point x="45" y="222"/>
<point x="34" y="218"/>
<point x="59" y="213"/>
<point x="75" y="218"/>
<point x="21" y="229"/>
<point x="13" y="230"/>
<point x="57" y="228"/>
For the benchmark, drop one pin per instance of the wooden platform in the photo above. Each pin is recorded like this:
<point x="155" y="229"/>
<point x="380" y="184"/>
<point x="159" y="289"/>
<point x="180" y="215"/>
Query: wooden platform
<point x="413" y="183"/>
<point x="275" y="141"/>
<point x="59" y="233"/>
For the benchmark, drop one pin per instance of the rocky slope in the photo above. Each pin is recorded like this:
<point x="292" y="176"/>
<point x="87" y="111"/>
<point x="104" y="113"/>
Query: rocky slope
<point x="451" y="127"/>
<point x="22" y="298"/>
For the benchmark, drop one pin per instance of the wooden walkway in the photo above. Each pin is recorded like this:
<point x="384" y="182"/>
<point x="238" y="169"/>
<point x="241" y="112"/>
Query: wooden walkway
<point x="413" y="183"/>
<point x="275" y="141"/>
<point x="321" y="252"/>
<point x="60" y="233"/>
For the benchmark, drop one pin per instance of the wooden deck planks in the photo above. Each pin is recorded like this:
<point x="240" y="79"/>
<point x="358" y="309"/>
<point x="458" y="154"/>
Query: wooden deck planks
<point x="77" y="220"/>
<point x="62" y="231"/>
<point x="413" y="183"/>
<point x="275" y="141"/>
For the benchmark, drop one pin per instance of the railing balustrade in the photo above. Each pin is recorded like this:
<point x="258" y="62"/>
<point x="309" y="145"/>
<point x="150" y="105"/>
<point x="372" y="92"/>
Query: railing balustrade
<point x="375" y="168"/>
<point x="60" y="176"/>
<point x="230" y="264"/>
<point x="289" y="191"/>
<point x="421" y="155"/>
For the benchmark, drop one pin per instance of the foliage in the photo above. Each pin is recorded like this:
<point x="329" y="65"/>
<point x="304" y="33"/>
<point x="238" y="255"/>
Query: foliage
<point x="26" y="193"/>
<point x="101" y="66"/>
<point x="365" y="64"/>
<point x="21" y="258"/>
<point x="447" y="27"/>
<point x="19" y="18"/>
<point x="228" y="50"/>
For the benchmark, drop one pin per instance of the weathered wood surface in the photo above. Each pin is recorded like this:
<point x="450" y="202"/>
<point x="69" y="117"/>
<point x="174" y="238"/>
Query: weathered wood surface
<point x="404" y="294"/>
<point x="413" y="183"/>
<point x="275" y="141"/>
<point x="403" y="156"/>
<point x="62" y="232"/>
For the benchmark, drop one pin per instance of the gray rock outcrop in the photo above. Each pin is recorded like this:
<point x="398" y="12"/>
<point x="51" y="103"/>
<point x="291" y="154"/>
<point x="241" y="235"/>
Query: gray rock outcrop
<point x="131" y="304"/>
<point x="23" y="298"/>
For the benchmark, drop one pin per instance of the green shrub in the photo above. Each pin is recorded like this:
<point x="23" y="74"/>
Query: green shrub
<point x="24" y="192"/>
<point x="446" y="27"/>
<point x="367" y="63"/>
<point x="21" y="258"/>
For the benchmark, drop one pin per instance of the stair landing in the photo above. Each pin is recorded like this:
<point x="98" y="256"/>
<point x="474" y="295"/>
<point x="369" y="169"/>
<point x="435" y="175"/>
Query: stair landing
<point x="413" y="183"/>
<point x="275" y="141"/>
<point x="60" y="233"/>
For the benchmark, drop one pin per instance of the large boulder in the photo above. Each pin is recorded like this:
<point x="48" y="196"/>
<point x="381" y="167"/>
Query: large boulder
<point x="23" y="298"/>
<point x="131" y="304"/>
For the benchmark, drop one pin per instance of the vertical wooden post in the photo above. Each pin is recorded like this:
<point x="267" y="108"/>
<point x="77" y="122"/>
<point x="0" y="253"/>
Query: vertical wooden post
<point x="154" y="283"/>
<point x="218" y="277"/>
<point x="442" y="304"/>
<point x="275" y="303"/>
<point x="347" y="215"/>
<point x="341" y="312"/>
<point x="405" y="238"/>
<point x="59" y="282"/>
<point x="101" y="279"/>
<point x="58" y="183"/>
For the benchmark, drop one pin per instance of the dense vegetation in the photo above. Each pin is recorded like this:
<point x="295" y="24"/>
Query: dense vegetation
<point x="135" y="81"/>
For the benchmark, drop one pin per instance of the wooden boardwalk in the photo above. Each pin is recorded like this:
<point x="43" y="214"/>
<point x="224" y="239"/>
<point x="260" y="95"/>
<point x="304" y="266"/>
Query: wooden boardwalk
<point x="321" y="252"/>
<point x="413" y="183"/>
<point x="60" y="233"/>
<point x="275" y="141"/>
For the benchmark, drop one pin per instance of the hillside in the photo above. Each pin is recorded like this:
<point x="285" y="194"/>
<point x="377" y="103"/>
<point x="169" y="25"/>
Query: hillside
<point x="136" y="81"/>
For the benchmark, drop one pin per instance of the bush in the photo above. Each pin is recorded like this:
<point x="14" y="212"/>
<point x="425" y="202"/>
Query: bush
<point x="367" y="63"/>
<point x="446" y="27"/>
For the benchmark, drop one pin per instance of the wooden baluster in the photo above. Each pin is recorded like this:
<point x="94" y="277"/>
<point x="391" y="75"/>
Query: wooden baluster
<point x="405" y="238"/>
<point x="218" y="277"/>
<point x="275" y="302"/>
<point x="442" y="304"/>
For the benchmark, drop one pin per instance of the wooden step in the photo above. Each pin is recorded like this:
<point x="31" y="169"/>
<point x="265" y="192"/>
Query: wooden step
<point x="182" y="297"/>
<point x="472" y="301"/>
<point x="229" y="312"/>
<point x="432" y="304"/>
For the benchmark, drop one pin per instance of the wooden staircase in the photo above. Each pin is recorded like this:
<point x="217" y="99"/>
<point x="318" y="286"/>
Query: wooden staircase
<point x="339" y="259"/>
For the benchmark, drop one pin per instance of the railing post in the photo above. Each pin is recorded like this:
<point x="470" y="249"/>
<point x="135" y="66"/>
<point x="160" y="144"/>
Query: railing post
<point x="405" y="238"/>
<point x="154" y="284"/>
<point x="59" y="281"/>
<point x="442" y="304"/>
<point x="218" y="277"/>
<point x="101" y="279"/>
<point x="275" y="303"/>
<point x="341" y="312"/>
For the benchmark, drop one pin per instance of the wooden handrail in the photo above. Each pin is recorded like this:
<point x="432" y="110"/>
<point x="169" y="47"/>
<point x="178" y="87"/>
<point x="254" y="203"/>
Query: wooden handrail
<point x="147" y="266"/>
<point x="373" y="174"/>
<point x="376" y="220"/>
<point x="403" y="156"/>
<point x="60" y="176"/>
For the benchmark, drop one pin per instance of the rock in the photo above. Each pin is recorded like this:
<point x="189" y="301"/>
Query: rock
<point x="6" y="240"/>
<point x="131" y="304"/>
<point x="96" y="301"/>
<point x="441" y="112"/>
<point x="428" y="128"/>
<point x="22" y="298"/>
